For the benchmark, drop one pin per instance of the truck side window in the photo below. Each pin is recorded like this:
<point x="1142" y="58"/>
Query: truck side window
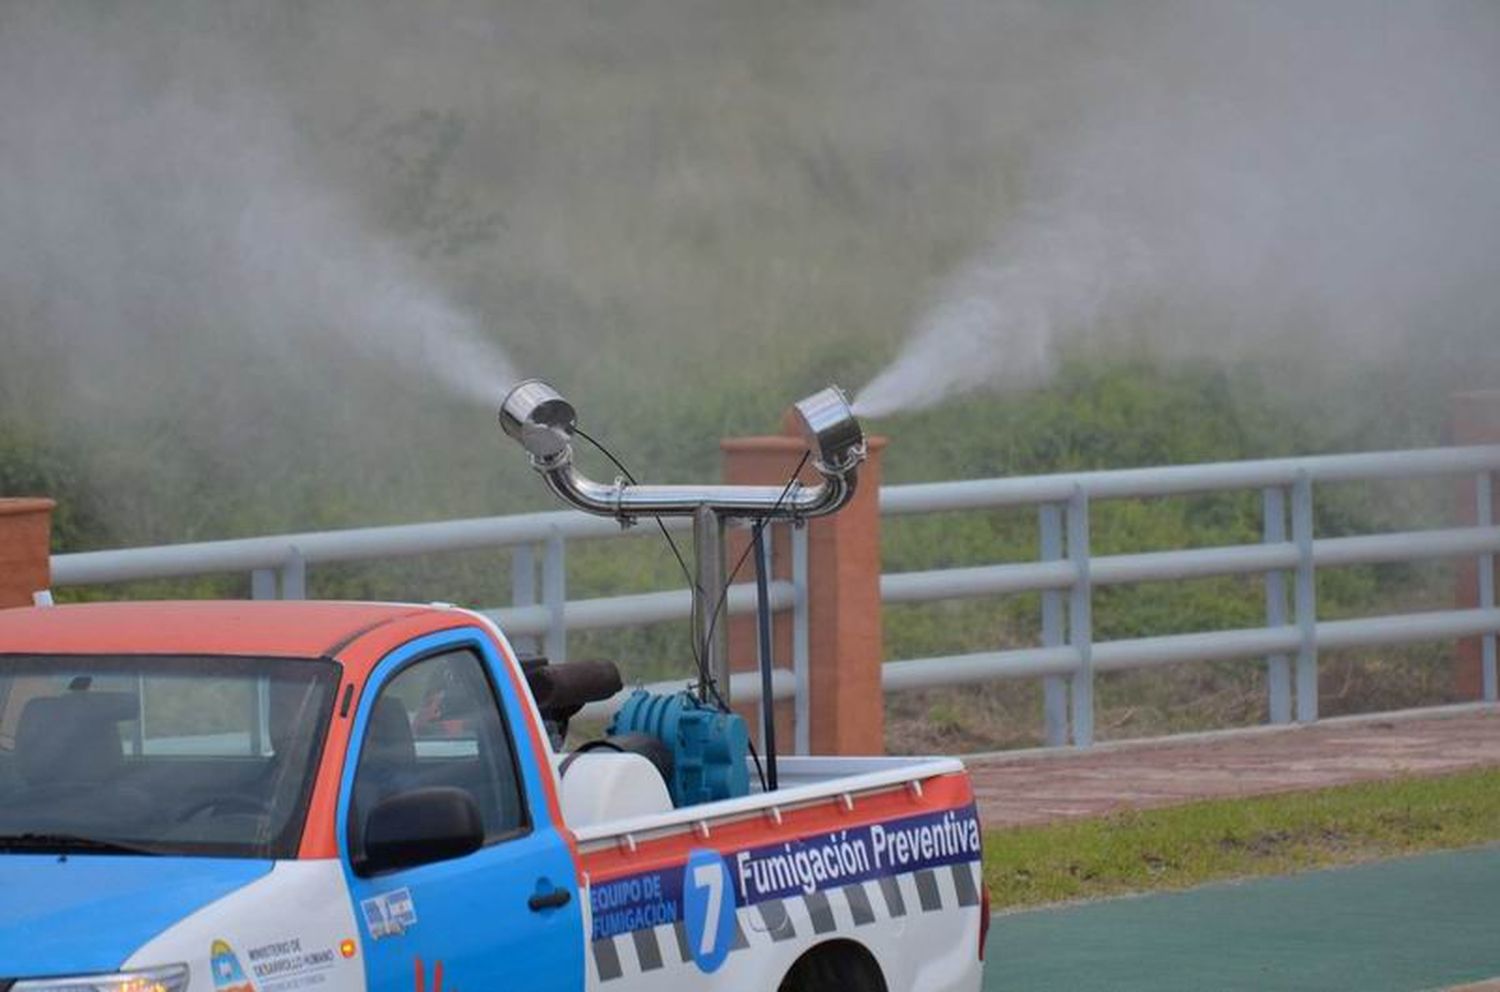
<point x="437" y="723"/>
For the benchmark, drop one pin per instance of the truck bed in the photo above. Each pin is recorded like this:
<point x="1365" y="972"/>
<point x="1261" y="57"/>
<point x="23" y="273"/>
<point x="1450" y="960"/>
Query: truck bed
<point x="877" y="853"/>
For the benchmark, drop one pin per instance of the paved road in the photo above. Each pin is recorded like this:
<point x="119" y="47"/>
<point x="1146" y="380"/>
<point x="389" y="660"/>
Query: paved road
<point x="1396" y="926"/>
<point x="1022" y="788"/>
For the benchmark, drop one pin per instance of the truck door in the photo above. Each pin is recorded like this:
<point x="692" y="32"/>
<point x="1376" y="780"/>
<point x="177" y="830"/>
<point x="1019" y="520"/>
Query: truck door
<point x="441" y="713"/>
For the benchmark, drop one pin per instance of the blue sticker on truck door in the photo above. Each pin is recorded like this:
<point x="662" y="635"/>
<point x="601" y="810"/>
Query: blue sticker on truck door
<point x="389" y="913"/>
<point x="708" y="906"/>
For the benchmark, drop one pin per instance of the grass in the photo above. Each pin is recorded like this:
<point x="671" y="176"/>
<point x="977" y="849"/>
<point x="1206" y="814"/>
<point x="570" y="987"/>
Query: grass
<point x="1185" y="846"/>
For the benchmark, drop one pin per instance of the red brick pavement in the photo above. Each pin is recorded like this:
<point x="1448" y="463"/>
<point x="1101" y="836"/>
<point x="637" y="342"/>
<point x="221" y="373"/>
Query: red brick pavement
<point x="1040" y="786"/>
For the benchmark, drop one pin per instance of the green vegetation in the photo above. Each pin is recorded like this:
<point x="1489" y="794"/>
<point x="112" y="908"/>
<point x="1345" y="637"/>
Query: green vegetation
<point x="1189" y="845"/>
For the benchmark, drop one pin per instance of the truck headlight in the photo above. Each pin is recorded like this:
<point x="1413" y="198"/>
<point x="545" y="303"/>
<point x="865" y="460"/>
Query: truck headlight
<point x="172" y="978"/>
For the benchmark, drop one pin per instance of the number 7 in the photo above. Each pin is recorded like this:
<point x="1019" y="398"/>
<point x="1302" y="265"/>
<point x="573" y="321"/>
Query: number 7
<point x="710" y="877"/>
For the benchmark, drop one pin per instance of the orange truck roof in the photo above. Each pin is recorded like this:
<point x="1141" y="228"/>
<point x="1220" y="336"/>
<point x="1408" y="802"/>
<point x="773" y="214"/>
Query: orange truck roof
<point x="236" y="627"/>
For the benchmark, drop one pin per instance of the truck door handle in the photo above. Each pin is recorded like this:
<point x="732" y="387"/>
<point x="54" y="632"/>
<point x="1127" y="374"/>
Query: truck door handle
<point x="549" y="900"/>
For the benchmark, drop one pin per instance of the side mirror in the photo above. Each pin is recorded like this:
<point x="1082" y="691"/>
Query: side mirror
<point x="420" y="827"/>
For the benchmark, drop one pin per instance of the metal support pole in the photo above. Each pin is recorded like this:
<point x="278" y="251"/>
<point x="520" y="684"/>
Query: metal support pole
<point x="1306" y="594"/>
<point x="801" y="643"/>
<point x="1278" y="666"/>
<point x="1054" y="687"/>
<point x="1081" y="618"/>
<point x="712" y="630"/>
<point x="263" y="584"/>
<point x="767" y="651"/>
<point x="294" y="575"/>
<point x="555" y="596"/>
<point x="1485" y="491"/>
<point x="523" y="586"/>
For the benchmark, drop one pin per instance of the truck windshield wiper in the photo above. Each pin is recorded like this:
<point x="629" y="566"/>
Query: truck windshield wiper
<point x="68" y="844"/>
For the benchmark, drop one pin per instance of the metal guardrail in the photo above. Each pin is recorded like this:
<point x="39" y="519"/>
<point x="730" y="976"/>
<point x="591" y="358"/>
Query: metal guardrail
<point x="1066" y="574"/>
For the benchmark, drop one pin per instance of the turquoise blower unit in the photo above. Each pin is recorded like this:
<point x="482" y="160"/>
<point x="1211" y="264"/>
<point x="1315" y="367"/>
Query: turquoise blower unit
<point x="709" y="748"/>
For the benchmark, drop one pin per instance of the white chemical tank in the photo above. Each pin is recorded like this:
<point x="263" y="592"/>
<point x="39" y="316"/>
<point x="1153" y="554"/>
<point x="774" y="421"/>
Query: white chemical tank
<point x="607" y="785"/>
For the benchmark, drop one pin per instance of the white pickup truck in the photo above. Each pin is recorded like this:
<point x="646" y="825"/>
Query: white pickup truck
<point x="268" y="797"/>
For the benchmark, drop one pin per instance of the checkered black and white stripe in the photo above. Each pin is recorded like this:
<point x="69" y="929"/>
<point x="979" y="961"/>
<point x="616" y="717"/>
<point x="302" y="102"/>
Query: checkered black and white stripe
<point x="844" y="909"/>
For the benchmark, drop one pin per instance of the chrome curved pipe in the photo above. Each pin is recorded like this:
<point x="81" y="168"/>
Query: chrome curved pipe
<point x="627" y="502"/>
<point x="543" y="422"/>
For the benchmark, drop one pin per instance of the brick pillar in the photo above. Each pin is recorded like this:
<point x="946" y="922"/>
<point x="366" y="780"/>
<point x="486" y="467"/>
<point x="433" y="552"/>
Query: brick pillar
<point x="25" y="549"/>
<point x="1476" y="420"/>
<point x="846" y="643"/>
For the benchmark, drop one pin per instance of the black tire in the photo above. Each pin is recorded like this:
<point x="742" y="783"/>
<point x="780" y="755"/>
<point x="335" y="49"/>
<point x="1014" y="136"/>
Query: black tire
<point x="837" y="966"/>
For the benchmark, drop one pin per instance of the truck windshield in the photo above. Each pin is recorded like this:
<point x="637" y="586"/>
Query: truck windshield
<point x="159" y="755"/>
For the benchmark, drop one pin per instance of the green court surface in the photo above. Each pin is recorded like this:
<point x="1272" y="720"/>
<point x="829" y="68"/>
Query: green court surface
<point x="1425" y="922"/>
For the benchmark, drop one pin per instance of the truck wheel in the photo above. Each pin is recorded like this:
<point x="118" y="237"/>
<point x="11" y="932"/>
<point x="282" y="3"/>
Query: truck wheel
<point x="837" y="966"/>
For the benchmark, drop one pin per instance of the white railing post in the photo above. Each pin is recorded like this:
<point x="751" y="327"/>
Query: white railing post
<point x="1485" y="492"/>
<point x="262" y="725"/>
<point x="523" y="587"/>
<point x="1054" y="687"/>
<point x="555" y="596"/>
<point x="1081" y="618"/>
<point x="294" y="575"/>
<point x="801" y="643"/>
<point x="140" y="717"/>
<point x="1307" y="599"/>
<point x="263" y="584"/>
<point x="1278" y="666"/>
